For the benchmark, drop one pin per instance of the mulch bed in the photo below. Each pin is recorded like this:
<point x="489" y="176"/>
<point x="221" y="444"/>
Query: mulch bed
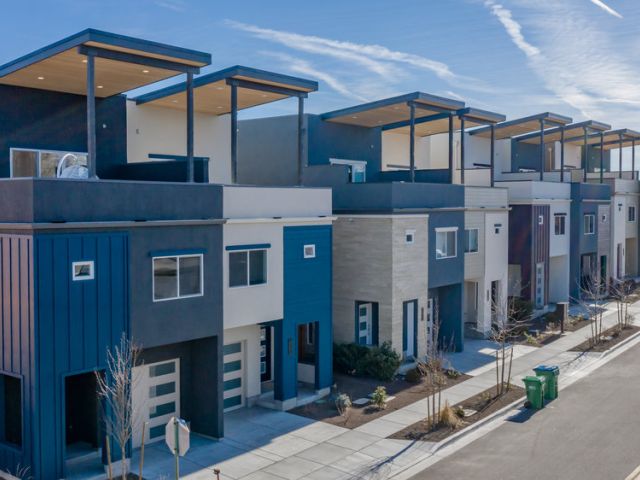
<point x="612" y="336"/>
<point x="405" y="393"/>
<point x="575" y="323"/>
<point x="485" y="403"/>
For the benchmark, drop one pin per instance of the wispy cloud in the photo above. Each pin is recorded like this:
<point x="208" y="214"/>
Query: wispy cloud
<point x="513" y="28"/>
<point x="606" y="8"/>
<point x="303" y="67"/>
<point x="174" y="5"/>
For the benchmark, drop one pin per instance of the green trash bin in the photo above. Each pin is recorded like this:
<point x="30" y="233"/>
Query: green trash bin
<point x="551" y="373"/>
<point x="535" y="391"/>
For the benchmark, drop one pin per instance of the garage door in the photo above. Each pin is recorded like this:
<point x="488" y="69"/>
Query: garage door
<point x="233" y="376"/>
<point x="156" y="398"/>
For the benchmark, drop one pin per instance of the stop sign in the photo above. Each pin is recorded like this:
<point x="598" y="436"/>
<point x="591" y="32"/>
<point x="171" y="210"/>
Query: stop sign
<point x="181" y="436"/>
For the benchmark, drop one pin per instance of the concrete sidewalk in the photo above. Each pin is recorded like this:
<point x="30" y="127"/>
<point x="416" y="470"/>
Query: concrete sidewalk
<point x="264" y="444"/>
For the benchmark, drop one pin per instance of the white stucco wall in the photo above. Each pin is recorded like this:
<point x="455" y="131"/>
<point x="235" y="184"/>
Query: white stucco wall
<point x="560" y="244"/>
<point x="269" y="202"/>
<point x="161" y="130"/>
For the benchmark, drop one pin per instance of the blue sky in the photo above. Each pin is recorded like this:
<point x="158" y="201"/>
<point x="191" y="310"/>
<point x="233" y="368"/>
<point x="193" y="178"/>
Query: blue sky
<point x="517" y="57"/>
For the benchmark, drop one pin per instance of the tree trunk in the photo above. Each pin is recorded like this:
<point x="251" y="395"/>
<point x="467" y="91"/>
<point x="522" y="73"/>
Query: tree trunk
<point x="123" y="461"/>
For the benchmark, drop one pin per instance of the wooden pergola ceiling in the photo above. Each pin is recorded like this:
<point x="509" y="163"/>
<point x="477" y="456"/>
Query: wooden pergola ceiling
<point x="570" y="132"/>
<point x="522" y="126"/>
<point x="61" y="67"/>
<point x="439" y="126"/>
<point x="392" y="110"/>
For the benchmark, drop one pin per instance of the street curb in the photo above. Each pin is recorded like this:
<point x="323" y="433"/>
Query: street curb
<point x="620" y="345"/>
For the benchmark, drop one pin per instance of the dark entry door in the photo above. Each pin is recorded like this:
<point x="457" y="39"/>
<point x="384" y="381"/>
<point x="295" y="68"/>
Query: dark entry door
<point x="265" y="354"/>
<point x="82" y="410"/>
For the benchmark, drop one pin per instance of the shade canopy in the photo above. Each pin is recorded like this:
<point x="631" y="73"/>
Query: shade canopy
<point x="524" y="125"/>
<point x="212" y="92"/>
<point x="570" y="132"/>
<point x="393" y="110"/>
<point x="121" y="64"/>
<point x="439" y="123"/>
<point x="611" y="139"/>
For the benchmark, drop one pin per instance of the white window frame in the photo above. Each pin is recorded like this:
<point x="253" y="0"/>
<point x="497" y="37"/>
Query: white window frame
<point x="471" y="252"/>
<point x="564" y="224"/>
<point x="77" y="278"/>
<point x="177" y="257"/>
<point x="38" y="153"/>
<point x="631" y="208"/>
<point x="407" y="234"/>
<point x="593" y="223"/>
<point x="455" y="243"/>
<point x="266" y="267"/>
<point x="312" y="254"/>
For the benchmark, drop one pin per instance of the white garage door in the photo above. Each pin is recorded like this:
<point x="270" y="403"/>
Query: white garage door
<point x="156" y="398"/>
<point x="233" y="376"/>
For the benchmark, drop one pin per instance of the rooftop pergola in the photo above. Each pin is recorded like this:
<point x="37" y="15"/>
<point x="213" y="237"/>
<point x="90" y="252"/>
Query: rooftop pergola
<point x="99" y="64"/>
<point x="233" y="89"/>
<point x="418" y="114"/>
<point x="540" y="124"/>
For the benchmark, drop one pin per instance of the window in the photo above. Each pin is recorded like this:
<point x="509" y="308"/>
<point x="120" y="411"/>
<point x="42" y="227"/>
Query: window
<point x="309" y="251"/>
<point x="42" y="163"/>
<point x="446" y="239"/>
<point x="560" y="221"/>
<point x="11" y="410"/>
<point x="497" y="227"/>
<point x="631" y="216"/>
<point x="248" y="268"/>
<point x="177" y="276"/>
<point x="82" y="271"/>
<point x="589" y="224"/>
<point x="357" y="169"/>
<point x="409" y="236"/>
<point x="471" y="240"/>
<point x="311" y="330"/>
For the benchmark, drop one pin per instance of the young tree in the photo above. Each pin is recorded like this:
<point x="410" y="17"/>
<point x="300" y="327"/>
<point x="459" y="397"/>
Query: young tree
<point x="592" y="299"/>
<point x="115" y="389"/>
<point x="621" y="292"/>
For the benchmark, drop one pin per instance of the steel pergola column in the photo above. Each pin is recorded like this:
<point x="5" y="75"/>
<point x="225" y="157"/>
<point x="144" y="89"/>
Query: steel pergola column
<point x="234" y="132"/>
<point x="633" y="159"/>
<point x="190" y="122"/>
<point x="412" y="142"/>
<point x="450" y="148"/>
<point x="561" y="153"/>
<point x="300" y="137"/>
<point x="542" y="150"/>
<point x="91" y="115"/>
<point x="601" y="157"/>
<point x="620" y="157"/>
<point x="585" y="152"/>
<point x="493" y="154"/>
<point x="462" y="150"/>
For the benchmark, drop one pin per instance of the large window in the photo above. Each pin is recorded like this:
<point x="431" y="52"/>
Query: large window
<point x="41" y="163"/>
<point x="589" y="224"/>
<point x="471" y="240"/>
<point x="631" y="214"/>
<point x="177" y="276"/>
<point x="446" y="239"/>
<point x="560" y="224"/>
<point x="247" y="268"/>
<point x="11" y="410"/>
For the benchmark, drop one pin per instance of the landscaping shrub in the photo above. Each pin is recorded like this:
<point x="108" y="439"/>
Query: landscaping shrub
<point x="523" y="309"/>
<point x="448" y="417"/>
<point x="379" y="397"/>
<point x="413" y="375"/>
<point x="376" y="362"/>
<point x="343" y="404"/>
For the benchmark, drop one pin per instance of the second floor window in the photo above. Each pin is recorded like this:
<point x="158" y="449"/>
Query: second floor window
<point x="177" y="276"/>
<point x="446" y="239"/>
<point x="471" y="240"/>
<point x="559" y="226"/>
<point x="589" y="224"/>
<point x="631" y="216"/>
<point x="247" y="268"/>
<point x="42" y="163"/>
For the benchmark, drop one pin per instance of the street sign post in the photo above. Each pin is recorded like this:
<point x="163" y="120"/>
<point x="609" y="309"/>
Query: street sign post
<point x="176" y="436"/>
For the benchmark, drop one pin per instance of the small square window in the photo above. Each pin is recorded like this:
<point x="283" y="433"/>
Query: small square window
<point x="82" y="271"/>
<point x="309" y="251"/>
<point x="631" y="216"/>
<point x="409" y="236"/>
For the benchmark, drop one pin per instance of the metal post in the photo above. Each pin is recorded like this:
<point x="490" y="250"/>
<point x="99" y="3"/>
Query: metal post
<point x="412" y="142"/>
<point x="541" y="150"/>
<point x="190" y="120"/>
<point x="234" y="133"/>
<point x="562" y="153"/>
<point x="585" y="155"/>
<point x="633" y="159"/>
<point x="601" y="157"/>
<point x="91" y="115"/>
<point x="620" y="159"/>
<point x="300" y="136"/>
<point x="450" y="148"/>
<point x="493" y="154"/>
<point x="462" y="150"/>
<point x="177" y="448"/>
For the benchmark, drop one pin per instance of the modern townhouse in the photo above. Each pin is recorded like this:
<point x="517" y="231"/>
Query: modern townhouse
<point x="401" y="233"/>
<point x="94" y="246"/>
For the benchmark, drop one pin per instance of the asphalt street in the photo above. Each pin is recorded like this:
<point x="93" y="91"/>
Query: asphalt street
<point x="592" y="432"/>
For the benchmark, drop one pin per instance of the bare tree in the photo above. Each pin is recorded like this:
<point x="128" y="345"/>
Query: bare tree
<point x="513" y="316"/>
<point x="115" y="388"/>
<point x="621" y="292"/>
<point x="591" y="299"/>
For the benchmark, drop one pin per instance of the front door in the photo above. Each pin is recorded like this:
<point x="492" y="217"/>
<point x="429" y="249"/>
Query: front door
<point x="365" y="324"/>
<point x="430" y="321"/>
<point x="265" y="354"/>
<point x="409" y="326"/>
<point x="81" y="413"/>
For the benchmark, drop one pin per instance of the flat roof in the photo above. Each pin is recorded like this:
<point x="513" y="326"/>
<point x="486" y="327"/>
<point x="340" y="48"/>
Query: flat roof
<point x="61" y="67"/>
<point x="212" y="94"/>
<point x="521" y="126"/>
<point x="570" y="132"/>
<point x="439" y="123"/>
<point x="392" y="110"/>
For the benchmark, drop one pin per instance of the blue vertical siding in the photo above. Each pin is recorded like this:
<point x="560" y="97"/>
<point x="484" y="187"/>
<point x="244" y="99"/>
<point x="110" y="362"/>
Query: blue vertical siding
<point x="307" y="298"/>
<point x="75" y="323"/>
